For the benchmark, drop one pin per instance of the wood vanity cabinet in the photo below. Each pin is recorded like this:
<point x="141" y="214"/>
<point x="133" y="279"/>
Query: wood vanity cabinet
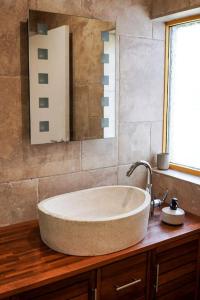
<point x="77" y="288"/>
<point x="164" y="266"/>
<point x="126" y="279"/>
<point x="176" y="270"/>
<point x="167" y="271"/>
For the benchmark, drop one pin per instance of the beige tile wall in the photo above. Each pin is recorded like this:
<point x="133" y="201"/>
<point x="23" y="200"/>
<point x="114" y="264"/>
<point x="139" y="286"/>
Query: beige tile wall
<point x="31" y="173"/>
<point x="166" y="7"/>
<point x="187" y="192"/>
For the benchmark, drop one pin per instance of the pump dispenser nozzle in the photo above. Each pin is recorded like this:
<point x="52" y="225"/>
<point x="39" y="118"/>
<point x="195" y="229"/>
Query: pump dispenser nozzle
<point x="174" y="204"/>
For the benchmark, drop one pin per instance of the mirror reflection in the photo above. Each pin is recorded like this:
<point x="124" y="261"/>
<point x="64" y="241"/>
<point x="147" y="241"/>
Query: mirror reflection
<point x="72" y="78"/>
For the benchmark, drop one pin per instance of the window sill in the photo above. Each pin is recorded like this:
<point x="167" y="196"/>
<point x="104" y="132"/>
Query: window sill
<point x="179" y="175"/>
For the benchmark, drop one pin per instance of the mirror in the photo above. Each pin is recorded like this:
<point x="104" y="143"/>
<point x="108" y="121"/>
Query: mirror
<point x="72" y="78"/>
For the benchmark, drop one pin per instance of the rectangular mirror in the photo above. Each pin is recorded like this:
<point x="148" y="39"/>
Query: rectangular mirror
<point x="72" y="78"/>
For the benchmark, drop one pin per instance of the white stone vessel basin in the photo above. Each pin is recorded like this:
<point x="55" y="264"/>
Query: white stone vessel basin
<point x="95" y="221"/>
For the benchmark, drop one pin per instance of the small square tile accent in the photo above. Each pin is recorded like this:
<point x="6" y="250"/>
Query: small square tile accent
<point x="42" y="53"/>
<point x="43" y="102"/>
<point x="105" y="36"/>
<point x="105" y="58"/>
<point x="104" y="122"/>
<point x="44" y="126"/>
<point x="105" y="80"/>
<point x="105" y="101"/>
<point x="43" y="78"/>
<point x="42" y="29"/>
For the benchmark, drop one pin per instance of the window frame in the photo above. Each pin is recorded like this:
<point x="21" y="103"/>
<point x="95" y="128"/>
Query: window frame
<point x="168" y="25"/>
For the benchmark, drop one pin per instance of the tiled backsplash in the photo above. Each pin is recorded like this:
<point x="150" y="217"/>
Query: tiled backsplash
<point x="31" y="173"/>
<point x="182" y="186"/>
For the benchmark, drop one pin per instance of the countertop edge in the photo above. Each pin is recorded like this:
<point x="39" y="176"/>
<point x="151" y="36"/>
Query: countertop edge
<point x="90" y="263"/>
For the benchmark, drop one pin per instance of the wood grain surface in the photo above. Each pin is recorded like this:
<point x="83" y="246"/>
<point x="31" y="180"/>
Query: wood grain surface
<point x="26" y="262"/>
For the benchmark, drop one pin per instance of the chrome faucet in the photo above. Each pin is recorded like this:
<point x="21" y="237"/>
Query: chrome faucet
<point x="149" y="188"/>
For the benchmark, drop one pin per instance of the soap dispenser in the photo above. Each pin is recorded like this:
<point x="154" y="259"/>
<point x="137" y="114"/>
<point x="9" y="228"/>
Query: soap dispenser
<point x="173" y="215"/>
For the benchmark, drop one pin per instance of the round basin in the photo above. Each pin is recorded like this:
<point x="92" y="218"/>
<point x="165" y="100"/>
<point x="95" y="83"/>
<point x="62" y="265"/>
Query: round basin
<point x="95" y="221"/>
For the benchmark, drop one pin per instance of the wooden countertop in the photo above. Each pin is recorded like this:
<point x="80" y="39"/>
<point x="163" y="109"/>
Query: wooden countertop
<point x="26" y="263"/>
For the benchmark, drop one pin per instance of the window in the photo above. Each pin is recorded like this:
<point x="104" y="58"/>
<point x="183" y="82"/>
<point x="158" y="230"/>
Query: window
<point x="182" y="95"/>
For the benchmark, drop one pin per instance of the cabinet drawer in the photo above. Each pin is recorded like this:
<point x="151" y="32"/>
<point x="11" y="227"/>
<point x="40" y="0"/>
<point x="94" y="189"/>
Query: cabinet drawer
<point x="177" y="262"/>
<point x="181" y="286"/>
<point x="126" y="278"/>
<point x="69" y="289"/>
<point x="177" y="271"/>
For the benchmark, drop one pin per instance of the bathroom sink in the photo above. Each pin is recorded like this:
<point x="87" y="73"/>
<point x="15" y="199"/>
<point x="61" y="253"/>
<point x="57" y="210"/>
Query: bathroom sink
<point x="94" y="221"/>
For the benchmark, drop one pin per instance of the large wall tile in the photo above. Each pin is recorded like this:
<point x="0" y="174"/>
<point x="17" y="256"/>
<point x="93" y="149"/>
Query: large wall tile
<point x="5" y="211"/>
<point x="71" y="7"/>
<point x="39" y="161"/>
<point x="194" y="3"/>
<point x="132" y="15"/>
<point x="159" y="31"/>
<point x="61" y="184"/>
<point x="18" y="201"/>
<point x="134" y="142"/>
<point x="105" y="9"/>
<point x="99" y="153"/>
<point x="55" y="185"/>
<point x="135" y="21"/>
<point x="101" y="177"/>
<point x="156" y="141"/>
<point x="10" y="117"/>
<point x="188" y="194"/>
<point x="12" y="169"/>
<point x="16" y="8"/>
<point x="142" y="79"/>
<point x="165" y="7"/>
<point x="9" y="46"/>
<point x="138" y="178"/>
<point x="13" y="40"/>
<point x="51" y="159"/>
<point x="32" y="4"/>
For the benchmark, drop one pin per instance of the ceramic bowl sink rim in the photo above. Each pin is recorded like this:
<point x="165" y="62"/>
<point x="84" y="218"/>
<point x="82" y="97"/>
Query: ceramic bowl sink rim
<point x="133" y="212"/>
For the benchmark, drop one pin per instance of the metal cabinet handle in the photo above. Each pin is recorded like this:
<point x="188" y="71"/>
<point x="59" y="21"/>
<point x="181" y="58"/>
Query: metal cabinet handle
<point x="136" y="281"/>
<point x="157" y="277"/>
<point x="95" y="293"/>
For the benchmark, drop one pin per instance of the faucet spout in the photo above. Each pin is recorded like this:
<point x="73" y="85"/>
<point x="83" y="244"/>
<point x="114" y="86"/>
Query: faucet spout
<point x="146" y="165"/>
<point x="149" y="177"/>
<point x="154" y="202"/>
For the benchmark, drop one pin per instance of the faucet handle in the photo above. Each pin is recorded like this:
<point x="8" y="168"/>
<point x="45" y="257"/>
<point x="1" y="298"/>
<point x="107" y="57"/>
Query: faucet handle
<point x="158" y="202"/>
<point x="164" y="197"/>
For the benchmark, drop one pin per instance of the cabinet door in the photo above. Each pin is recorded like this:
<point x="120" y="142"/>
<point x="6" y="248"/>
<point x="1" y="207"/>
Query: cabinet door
<point x="69" y="289"/>
<point x="125" y="279"/>
<point x="176" y="271"/>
